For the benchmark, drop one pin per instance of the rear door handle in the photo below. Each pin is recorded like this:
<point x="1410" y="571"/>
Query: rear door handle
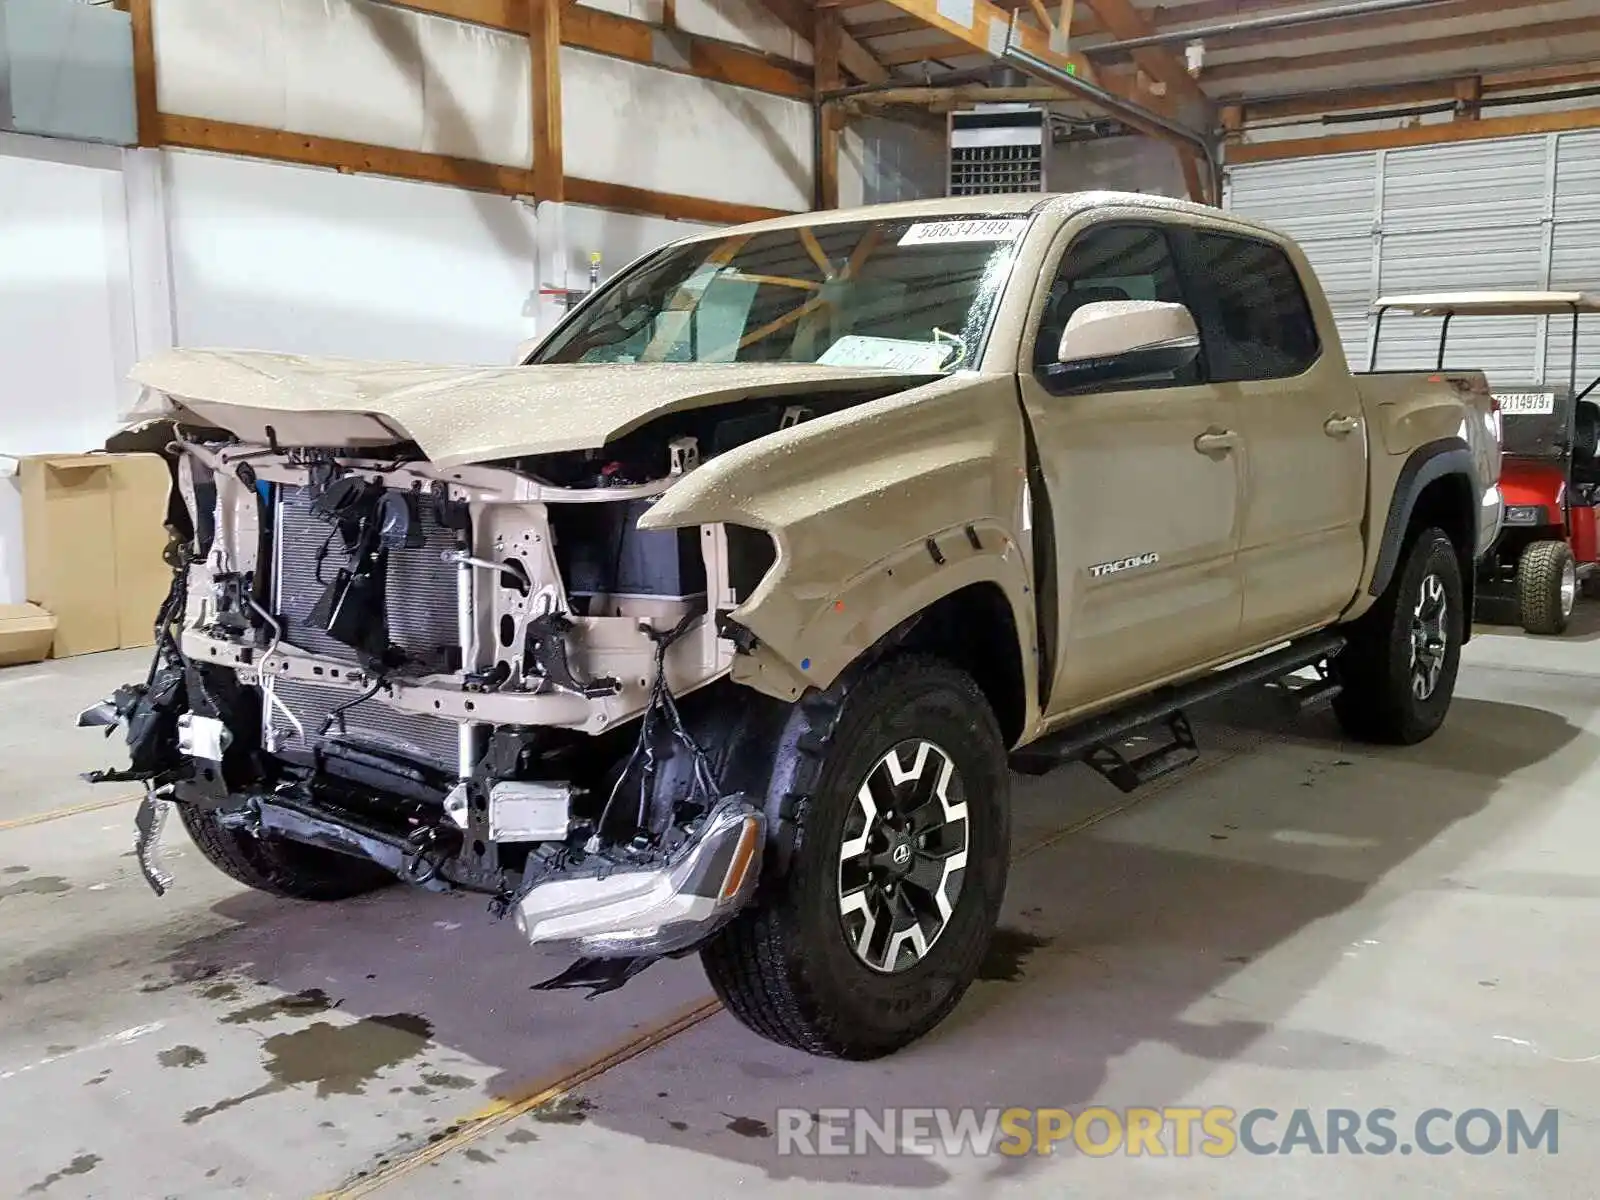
<point x="1340" y="425"/>
<point x="1216" y="441"/>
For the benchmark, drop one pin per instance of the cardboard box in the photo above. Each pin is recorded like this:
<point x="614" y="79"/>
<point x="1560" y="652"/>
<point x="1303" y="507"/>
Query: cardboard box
<point x="94" y="531"/>
<point x="26" y="632"/>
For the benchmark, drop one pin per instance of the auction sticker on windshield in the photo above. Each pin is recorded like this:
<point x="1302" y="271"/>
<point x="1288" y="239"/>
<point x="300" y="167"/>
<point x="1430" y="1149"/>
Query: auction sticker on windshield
<point x="987" y="229"/>
<point x="1520" y="404"/>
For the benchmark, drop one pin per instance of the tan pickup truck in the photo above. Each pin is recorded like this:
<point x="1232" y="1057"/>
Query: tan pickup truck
<point x="716" y="626"/>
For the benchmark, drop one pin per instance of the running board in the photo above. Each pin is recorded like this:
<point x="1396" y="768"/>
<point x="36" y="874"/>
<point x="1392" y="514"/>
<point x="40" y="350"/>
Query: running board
<point x="1096" y="740"/>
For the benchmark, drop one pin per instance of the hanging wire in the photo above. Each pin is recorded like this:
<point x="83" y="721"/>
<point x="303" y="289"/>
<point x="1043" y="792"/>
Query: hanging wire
<point x="662" y="705"/>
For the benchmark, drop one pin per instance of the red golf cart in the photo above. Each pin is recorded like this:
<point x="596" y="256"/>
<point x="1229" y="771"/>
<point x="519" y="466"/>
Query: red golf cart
<point x="1549" y="542"/>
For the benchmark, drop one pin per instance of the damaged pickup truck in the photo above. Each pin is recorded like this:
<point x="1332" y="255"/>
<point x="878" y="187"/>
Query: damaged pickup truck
<point x="714" y="627"/>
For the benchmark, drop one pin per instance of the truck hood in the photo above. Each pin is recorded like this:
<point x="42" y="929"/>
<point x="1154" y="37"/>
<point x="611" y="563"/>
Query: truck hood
<point x="459" y="415"/>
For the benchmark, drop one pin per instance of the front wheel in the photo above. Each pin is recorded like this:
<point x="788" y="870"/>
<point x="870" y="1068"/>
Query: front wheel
<point x="898" y="870"/>
<point x="1547" y="586"/>
<point x="1398" y="670"/>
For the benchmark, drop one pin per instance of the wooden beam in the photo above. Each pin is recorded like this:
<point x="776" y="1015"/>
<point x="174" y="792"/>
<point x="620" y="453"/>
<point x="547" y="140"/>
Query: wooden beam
<point x="585" y="28"/>
<point x="617" y="197"/>
<point x="988" y="29"/>
<point x="829" y="75"/>
<point x="544" y="52"/>
<point x="1420" y="135"/>
<point x="853" y="56"/>
<point x="1345" y="99"/>
<point x="941" y="50"/>
<point x="1394" y="95"/>
<point x="1123" y="20"/>
<point x="867" y="30"/>
<point x="146" y="105"/>
<point x="195" y="133"/>
<point x="959" y="97"/>
<point x="1416" y="50"/>
<point x="1469" y="94"/>
<point x="1401" y="20"/>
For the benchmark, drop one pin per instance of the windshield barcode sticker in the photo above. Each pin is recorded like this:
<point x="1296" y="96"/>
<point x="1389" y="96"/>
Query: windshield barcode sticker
<point x="1001" y="229"/>
<point x="1517" y="404"/>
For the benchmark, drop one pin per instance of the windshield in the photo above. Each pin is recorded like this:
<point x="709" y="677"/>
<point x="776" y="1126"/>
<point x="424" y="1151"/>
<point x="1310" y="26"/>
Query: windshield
<point x="900" y="295"/>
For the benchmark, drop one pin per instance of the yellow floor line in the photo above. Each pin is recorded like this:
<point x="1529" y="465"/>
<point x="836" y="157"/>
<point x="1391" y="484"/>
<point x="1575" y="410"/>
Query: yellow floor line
<point x="501" y="1112"/>
<point x="60" y="813"/>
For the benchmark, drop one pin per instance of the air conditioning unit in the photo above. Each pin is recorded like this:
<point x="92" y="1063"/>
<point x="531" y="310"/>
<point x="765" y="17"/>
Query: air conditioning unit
<point x="996" y="148"/>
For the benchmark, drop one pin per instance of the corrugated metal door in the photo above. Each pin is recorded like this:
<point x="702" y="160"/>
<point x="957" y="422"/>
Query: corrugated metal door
<point x="1575" y="252"/>
<point x="1508" y="213"/>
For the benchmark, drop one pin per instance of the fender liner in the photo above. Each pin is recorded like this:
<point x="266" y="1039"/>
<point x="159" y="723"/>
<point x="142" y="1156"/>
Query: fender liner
<point x="1427" y="463"/>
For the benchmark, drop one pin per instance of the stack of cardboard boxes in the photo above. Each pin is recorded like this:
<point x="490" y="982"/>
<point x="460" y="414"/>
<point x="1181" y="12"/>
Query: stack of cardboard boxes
<point x="94" y="528"/>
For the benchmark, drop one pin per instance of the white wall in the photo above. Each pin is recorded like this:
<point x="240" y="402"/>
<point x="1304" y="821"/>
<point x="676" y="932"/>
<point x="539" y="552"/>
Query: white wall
<point x="367" y="72"/>
<point x="66" y="317"/>
<point x="308" y="261"/>
<point x="623" y="122"/>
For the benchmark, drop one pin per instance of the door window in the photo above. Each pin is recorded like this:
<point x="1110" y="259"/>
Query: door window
<point x="1108" y="262"/>
<point x="1255" y="321"/>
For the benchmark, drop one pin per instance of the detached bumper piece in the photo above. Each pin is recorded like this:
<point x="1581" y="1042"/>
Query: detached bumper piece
<point x="613" y="912"/>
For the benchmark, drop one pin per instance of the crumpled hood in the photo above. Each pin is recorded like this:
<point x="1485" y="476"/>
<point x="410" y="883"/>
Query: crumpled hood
<point x="460" y="415"/>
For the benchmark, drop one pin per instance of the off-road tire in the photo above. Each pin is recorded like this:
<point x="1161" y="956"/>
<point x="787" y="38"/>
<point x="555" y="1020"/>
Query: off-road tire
<point x="1540" y="571"/>
<point x="1378" y="702"/>
<point x="280" y="867"/>
<point x="784" y="967"/>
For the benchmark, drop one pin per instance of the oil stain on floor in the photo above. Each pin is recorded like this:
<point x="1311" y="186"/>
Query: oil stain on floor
<point x="38" y="885"/>
<point x="312" y="1000"/>
<point x="182" y="1056"/>
<point x="1008" y="951"/>
<point x="81" y="1165"/>
<point x="339" y="1060"/>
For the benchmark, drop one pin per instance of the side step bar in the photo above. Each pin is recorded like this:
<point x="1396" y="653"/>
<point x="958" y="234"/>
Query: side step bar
<point x="1096" y="741"/>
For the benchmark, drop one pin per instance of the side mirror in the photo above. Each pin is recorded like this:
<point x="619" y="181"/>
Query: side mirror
<point x="1111" y="341"/>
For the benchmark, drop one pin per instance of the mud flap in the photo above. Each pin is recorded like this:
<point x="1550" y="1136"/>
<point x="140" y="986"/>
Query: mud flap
<point x="599" y="975"/>
<point x="148" y="824"/>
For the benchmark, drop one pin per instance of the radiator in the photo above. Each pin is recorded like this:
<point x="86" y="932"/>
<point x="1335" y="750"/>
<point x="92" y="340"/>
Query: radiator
<point x="422" y="604"/>
<point x="372" y="723"/>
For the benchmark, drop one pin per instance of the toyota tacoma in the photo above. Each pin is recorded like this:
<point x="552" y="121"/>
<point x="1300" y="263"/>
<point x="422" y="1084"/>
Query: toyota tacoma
<point x="718" y="625"/>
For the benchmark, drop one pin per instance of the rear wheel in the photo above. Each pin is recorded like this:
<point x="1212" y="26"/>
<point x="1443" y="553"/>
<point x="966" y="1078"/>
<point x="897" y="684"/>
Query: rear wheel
<point x="278" y="866"/>
<point x="1398" y="670"/>
<point x="1547" y="586"/>
<point x="896" y="876"/>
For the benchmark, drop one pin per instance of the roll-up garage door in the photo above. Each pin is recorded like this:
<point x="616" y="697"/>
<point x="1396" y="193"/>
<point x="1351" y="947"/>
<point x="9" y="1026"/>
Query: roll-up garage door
<point x="1508" y="213"/>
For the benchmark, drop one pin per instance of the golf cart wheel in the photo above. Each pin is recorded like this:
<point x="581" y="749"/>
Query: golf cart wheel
<point x="898" y="868"/>
<point x="1547" y="586"/>
<point x="1589" y="586"/>
<point x="1398" y="669"/>
<point x="277" y="866"/>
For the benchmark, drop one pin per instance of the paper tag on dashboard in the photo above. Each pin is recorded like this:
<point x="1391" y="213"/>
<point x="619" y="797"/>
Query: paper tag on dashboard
<point x="1524" y="404"/>
<point x="993" y="229"/>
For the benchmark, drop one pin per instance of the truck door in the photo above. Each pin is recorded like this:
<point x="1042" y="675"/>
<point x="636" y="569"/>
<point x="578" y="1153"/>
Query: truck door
<point x="1304" y="456"/>
<point x="1138" y="523"/>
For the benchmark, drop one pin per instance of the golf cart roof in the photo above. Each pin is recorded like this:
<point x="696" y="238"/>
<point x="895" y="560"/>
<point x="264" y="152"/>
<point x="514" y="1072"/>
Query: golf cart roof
<point x="1505" y="304"/>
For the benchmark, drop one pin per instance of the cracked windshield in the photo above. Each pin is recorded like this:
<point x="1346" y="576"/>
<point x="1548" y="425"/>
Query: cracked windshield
<point x="902" y="295"/>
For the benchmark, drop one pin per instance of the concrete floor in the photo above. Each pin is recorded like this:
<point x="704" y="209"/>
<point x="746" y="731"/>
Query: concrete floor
<point x="1293" y="923"/>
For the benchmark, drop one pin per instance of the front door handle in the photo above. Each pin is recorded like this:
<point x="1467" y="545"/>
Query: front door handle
<point x="1340" y="425"/>
<point x="1216" y="441"/>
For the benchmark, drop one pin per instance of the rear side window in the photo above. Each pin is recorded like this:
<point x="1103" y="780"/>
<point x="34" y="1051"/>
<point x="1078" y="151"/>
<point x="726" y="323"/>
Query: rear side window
<point x="1255" y="321"/>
